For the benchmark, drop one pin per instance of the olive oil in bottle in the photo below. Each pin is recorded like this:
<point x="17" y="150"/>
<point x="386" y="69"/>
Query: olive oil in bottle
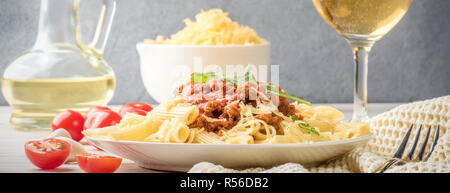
<point x="35" y="102"/>
<point x="60" y="71"/>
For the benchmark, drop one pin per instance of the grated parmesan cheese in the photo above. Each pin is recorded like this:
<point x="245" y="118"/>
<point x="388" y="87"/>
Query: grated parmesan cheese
<point x="212" y="27"/>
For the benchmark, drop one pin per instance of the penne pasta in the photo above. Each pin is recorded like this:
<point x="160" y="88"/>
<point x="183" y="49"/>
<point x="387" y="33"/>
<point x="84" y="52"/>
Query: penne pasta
<point x="187" y="113"/>
<point x="207" y="138"/>
<point x="171" y="131"/>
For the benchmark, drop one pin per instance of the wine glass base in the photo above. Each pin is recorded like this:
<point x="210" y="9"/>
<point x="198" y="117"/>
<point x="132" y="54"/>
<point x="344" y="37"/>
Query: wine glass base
<point x="360" y="118"/>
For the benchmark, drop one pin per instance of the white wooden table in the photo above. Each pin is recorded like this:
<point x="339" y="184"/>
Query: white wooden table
<point x="13" y="159"/>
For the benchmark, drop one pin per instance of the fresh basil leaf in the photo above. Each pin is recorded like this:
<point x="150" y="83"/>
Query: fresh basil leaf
<point x="198" y="77"/>
<point x="274" y="90"/>
<point x="306" y="126"/>
<point x="294" y="118"/>
<point x="309" y="128"/>
<point x="246" y="77"/>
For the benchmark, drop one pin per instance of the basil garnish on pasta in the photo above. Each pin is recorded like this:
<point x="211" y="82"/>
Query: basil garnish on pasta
<point x="198" y="77"/>
<point x="275" y="90"/>
<point x="306" y="126"/>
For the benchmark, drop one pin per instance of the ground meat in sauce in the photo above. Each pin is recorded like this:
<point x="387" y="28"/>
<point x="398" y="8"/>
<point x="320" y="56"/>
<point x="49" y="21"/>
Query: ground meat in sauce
<point x="287" y="108"/>
<point x="229" y="116"/>
<point x="271" y="119"/>
<point x="212" y="109"/>
<point x="232" y="112"/>
<point x="213" y="126"/>
<point x="198" y="93"/>
<point x="220" y="100"/>
<point x="249" y="92"/>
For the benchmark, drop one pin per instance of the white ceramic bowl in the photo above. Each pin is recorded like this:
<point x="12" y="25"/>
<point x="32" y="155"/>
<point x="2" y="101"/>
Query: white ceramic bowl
<point x="181" y="157"/>
<point x="163" y="67"/>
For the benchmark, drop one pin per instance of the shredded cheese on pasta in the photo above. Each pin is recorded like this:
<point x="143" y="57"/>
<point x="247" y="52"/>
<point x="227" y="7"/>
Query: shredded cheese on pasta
<point x="212" y="27"/>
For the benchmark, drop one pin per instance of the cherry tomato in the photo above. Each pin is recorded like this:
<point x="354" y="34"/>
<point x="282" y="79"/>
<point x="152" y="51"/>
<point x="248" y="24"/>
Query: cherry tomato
<point x="47" y="153"/>
<point x="102" y="119"/>
<point x="137" y="108"/>
<point x="92" y="163"/>
<point x="71" y="121"/>
<point x="134" y="111"/>
<point x="95" y="109"/>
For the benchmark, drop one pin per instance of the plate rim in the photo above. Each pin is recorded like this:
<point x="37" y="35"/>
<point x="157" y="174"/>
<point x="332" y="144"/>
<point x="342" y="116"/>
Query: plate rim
<point x="304" y="144"/>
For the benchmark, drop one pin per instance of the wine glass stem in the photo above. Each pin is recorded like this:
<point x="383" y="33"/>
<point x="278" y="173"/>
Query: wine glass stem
<point x="360" y="88"/>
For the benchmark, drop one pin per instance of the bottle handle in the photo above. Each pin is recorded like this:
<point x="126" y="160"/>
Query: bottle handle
<point x="97" y="45"/>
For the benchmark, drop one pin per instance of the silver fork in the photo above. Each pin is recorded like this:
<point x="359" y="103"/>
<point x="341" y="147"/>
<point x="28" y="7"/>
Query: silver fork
<point x="401" y="148"/>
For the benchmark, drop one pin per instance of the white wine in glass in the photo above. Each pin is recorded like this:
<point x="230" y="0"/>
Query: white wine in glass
<point x="361" y="23"/>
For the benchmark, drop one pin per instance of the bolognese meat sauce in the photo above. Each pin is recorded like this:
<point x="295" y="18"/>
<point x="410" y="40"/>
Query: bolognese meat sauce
<point x="220" y="101"/>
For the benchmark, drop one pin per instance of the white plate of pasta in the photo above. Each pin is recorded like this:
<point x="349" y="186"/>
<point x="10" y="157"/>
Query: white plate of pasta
<point x="236" y="122"/>
<point x="181" y="157"/>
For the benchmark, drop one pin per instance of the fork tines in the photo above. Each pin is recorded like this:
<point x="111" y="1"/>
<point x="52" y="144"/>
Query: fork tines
<point x="404" y="142"/>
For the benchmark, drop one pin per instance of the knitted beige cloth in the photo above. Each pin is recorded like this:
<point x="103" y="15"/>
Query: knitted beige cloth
<point x="389" y="129"/>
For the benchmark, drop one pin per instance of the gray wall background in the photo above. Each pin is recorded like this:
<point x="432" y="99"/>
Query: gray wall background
<point x="410" y="63"/>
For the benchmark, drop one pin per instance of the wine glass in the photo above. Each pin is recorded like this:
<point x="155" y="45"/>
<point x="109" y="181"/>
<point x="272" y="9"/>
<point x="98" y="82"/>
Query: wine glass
<point x="361" y="23"/>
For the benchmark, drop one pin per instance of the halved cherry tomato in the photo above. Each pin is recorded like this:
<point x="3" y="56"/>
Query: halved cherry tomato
<point x="47" y="153"/>
<point x="71" y="121"/>
<point x="95" y="109"/>
<point x="137" y="108"/>
<point x="92" y="163"/>
<point x="102" y="119"/>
